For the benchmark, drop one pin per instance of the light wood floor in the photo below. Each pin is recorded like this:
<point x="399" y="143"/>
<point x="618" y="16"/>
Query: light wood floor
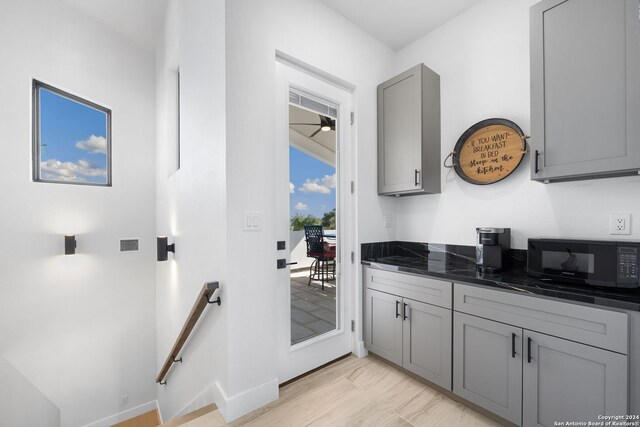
<point x="148" y="419"/>
<point x="356" y="392"/>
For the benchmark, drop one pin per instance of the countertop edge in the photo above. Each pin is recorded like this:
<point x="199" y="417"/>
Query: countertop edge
<point x="492" y="285"/>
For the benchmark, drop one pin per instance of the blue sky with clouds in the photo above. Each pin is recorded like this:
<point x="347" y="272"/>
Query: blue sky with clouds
<point x="73" y="140"/>
<point x="312" y="184"/>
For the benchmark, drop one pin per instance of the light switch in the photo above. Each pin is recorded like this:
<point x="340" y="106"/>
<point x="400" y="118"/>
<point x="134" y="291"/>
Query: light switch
<point x="252" y="221"/>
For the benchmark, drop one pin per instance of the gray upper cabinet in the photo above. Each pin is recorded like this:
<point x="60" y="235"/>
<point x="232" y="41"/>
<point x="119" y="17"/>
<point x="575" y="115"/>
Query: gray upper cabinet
<point x="564" y="380"/>
<point x="409" y="133"/>
<point x="585" y="90"/>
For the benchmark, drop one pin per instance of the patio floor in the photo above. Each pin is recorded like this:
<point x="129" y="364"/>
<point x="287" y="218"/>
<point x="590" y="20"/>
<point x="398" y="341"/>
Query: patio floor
<point x="313" y="311"/>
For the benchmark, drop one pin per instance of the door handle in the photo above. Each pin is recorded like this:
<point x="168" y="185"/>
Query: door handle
<point x="397" y="311"/>
<point x="513" y="345"/>
<point x="404" y="311"/>
<point x="537" y="154"/>
<point x="282" y="263"/>
<point x="529" y="340"/>
<point x="416" y="176"/>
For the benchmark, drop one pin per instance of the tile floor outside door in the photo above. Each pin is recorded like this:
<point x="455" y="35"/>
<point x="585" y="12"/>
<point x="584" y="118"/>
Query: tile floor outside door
<point x="313" y="311"/>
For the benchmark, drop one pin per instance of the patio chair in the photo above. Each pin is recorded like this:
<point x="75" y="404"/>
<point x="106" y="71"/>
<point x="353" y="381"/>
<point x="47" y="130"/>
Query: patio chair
<point x="323" y="267"/>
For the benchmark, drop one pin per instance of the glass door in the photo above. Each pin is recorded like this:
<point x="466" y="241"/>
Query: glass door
<point x="312" y="213"/>
<point x="311" y="217"/>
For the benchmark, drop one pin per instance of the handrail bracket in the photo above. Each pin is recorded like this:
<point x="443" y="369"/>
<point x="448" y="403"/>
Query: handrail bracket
<point x="210" y="301"/>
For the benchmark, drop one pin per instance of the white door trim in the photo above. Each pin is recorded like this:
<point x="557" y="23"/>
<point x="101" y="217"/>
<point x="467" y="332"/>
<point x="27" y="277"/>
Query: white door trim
<point x="298" y="359"/>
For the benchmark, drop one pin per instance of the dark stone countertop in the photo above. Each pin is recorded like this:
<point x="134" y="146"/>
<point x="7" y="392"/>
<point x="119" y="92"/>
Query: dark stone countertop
<point x="457" y="264"/>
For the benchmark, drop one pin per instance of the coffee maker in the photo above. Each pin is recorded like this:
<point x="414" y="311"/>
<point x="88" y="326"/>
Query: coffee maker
<point x="492" y="248"/>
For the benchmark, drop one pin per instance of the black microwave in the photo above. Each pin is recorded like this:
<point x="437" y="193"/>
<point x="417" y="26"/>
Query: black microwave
<point x="585" y="262"/>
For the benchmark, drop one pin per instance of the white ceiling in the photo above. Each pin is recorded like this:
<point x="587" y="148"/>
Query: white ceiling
<point x="139" y="20"/>
<point x="397" y="23"/>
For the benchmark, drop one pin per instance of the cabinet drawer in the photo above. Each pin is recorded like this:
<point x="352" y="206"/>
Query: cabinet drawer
<point x="419" y="288"/>
<point x="593" y="326"/>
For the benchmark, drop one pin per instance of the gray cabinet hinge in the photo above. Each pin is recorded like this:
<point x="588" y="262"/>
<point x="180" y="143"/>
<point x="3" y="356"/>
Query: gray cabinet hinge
<point x="353" y="117"/>
<point x="353" y="187"/>
<point x="353" y="326"/>
<point x="353" y="257"/>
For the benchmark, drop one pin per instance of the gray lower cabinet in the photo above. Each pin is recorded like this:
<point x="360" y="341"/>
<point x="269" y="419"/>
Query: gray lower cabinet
<point x="567" y="381"/>
<point x="533" y="379"/>
<point x="487" y="365"/>
<point x="426" y="341"/>
<point x="411" y="334"/>
<point x="585" y="90"/>
<point x="409" y="133"/>
<point x="383" y="324"/>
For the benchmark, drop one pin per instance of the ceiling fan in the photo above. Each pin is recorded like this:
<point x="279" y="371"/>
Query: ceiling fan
<point x="326" y="124"/>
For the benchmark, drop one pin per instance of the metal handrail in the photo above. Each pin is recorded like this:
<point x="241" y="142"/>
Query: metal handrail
<point x="204" y="299"/>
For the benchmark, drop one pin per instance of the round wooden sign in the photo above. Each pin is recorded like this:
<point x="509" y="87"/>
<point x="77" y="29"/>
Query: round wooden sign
<point x="488" y="151"/>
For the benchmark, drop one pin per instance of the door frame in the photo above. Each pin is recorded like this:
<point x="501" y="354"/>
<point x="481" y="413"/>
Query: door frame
<point x="294" y="360"/>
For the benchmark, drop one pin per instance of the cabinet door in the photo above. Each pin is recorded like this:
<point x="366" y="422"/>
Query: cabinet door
<point x="584" y="88"/>
<point x="427" y="341"/>
<point x="487" y="365"/>
<point x="383" y="325"/>
<point x="400" y="133"/>
<point x="567" y="381"/>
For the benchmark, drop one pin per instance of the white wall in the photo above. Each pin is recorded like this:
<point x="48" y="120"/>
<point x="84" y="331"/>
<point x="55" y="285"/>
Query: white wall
<point x="191" y="204"/>
<point x="80" y="328"/>
<point x="310" y="32"/>
<point x="21" y="404"/>
<point x="482" y="57"/>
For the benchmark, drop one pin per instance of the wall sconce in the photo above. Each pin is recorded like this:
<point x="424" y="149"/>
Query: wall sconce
<point x="70" y="244"/>
<point x="164" y="248"/>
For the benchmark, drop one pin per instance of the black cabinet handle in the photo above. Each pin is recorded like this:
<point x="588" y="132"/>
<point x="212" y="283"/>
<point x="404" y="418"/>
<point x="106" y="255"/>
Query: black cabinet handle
<point x="404" y="311"/>
<point x="529" y="340"/>
<point x="513" y="345"/>
<point x="415" y="176"/>
<point x="397" y="311"/>
<point x="537" y="169"/>
<point x="282" y="263"/>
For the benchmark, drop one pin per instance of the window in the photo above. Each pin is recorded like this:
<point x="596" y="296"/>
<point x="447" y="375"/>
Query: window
<point x="71" y="138"/>
<point x="178" y="122"/>
<point x="173" y="122"/>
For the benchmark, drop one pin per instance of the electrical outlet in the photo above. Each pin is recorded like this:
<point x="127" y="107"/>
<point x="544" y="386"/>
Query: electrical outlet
<point x="388" y="221"/>
<point x="620" y="223"/>
<point x="125" y="399"/>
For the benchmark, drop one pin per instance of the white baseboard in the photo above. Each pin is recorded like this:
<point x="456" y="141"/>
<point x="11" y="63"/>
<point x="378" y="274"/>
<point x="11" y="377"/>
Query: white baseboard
<point x="159" y="413"/>
<point x="207" y="397"/>
<point x="360" y="350"/>
<point x="220" y="398"/>
<point x="126" y="415"/>
<point x="241" y="404"/>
